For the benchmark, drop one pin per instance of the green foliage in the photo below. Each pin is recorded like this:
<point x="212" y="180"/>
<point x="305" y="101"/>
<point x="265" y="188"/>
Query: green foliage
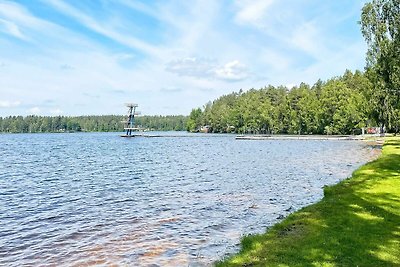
<point x="338" y="106"/>
<point x="106" y="123"/>
<point x="193" y="123"/>
<point x="380" y="26"/>
<point x="355" y="224"/>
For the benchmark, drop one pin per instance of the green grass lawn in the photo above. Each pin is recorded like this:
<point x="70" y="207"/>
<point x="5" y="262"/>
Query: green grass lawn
<point x="357" y="223"/>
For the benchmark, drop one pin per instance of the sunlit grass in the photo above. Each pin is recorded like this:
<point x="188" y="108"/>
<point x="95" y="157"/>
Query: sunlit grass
<point x="357" y="223"/>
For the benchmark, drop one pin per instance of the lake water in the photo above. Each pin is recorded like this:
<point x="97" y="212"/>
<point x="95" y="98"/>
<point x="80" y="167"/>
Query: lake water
<point x="89" y="199"/>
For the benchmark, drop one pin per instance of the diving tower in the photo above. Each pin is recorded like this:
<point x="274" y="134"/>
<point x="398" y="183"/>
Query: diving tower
<point x="129" y="124"/>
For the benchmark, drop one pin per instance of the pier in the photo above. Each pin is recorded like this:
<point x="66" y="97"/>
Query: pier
<point x="299" y="137"/>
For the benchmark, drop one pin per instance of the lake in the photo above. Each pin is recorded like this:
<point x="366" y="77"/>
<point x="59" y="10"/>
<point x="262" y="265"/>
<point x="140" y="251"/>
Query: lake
<point x="85" y="199"/>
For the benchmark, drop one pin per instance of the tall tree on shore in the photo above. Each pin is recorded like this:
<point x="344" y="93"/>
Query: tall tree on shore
<point x="380" y="26"/>
<point x="194" y="121"/>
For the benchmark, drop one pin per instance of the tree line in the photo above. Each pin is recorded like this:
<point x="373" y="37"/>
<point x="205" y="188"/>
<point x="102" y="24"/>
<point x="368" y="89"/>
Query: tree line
<point x="105" y="123"/>
<point x="341" y="105"/>
<point x="338" y="106"/>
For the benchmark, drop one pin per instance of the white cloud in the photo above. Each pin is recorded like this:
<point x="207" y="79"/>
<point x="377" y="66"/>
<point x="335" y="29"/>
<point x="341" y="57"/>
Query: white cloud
<point x="9" y="104"/>
<point x="196" y="51"/>
<point x="39" y="31"/>
<point x="17" y="13"/>
<point x="208" y="69"/>
<point x="94" y="25"/>
<point x="11" y="28"/>
<point x="252" y="11"/>
<point x="192" y="66"/>
<point x="232" y="71"/>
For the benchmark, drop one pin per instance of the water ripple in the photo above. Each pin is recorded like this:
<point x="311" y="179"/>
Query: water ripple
<point x="97" y="199"/>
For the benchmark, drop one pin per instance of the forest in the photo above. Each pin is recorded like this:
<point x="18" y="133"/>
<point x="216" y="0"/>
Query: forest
<point x="105" y="123"/>
<point x="341" y="105"/>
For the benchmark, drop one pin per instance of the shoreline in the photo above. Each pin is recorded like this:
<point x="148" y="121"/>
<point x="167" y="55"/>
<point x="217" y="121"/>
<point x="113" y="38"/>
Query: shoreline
<point x="355" y="224"/>
<point x="304" y="137"/>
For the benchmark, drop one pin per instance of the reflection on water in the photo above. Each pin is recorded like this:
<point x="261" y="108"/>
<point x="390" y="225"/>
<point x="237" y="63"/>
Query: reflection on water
<point x="98" y="199"/>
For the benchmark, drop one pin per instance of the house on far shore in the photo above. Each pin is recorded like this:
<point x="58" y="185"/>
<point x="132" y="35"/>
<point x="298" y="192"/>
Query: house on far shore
<point x="371" y="130"/>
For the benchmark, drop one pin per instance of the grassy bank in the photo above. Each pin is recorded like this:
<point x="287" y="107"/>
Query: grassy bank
<point x="357" y="223"/>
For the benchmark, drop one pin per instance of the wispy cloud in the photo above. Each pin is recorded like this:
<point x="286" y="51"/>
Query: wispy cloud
<point x="96" y="26"/>
<point x="252" y="11"/>
<point x="16" y="19"/>
<point x="207" y="68"/>
<point x="192" y="66"/>
<point x="12" y="29"/>
<point x="141" y="7"/>
<point x="9" y="104"/>
<point x="18" y="14"/>
<point x="43" y="34"/>
<point x="99" y="56"/>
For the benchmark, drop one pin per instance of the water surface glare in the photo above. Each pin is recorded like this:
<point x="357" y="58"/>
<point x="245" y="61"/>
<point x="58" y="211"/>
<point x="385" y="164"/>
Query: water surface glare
<point x="89" y="199"/>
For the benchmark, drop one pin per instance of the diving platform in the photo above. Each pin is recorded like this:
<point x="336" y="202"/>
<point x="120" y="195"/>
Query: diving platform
<point x="129" y="124"/>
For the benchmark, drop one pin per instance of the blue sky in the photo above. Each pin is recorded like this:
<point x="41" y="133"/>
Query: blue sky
<point x="90" y="57"/>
